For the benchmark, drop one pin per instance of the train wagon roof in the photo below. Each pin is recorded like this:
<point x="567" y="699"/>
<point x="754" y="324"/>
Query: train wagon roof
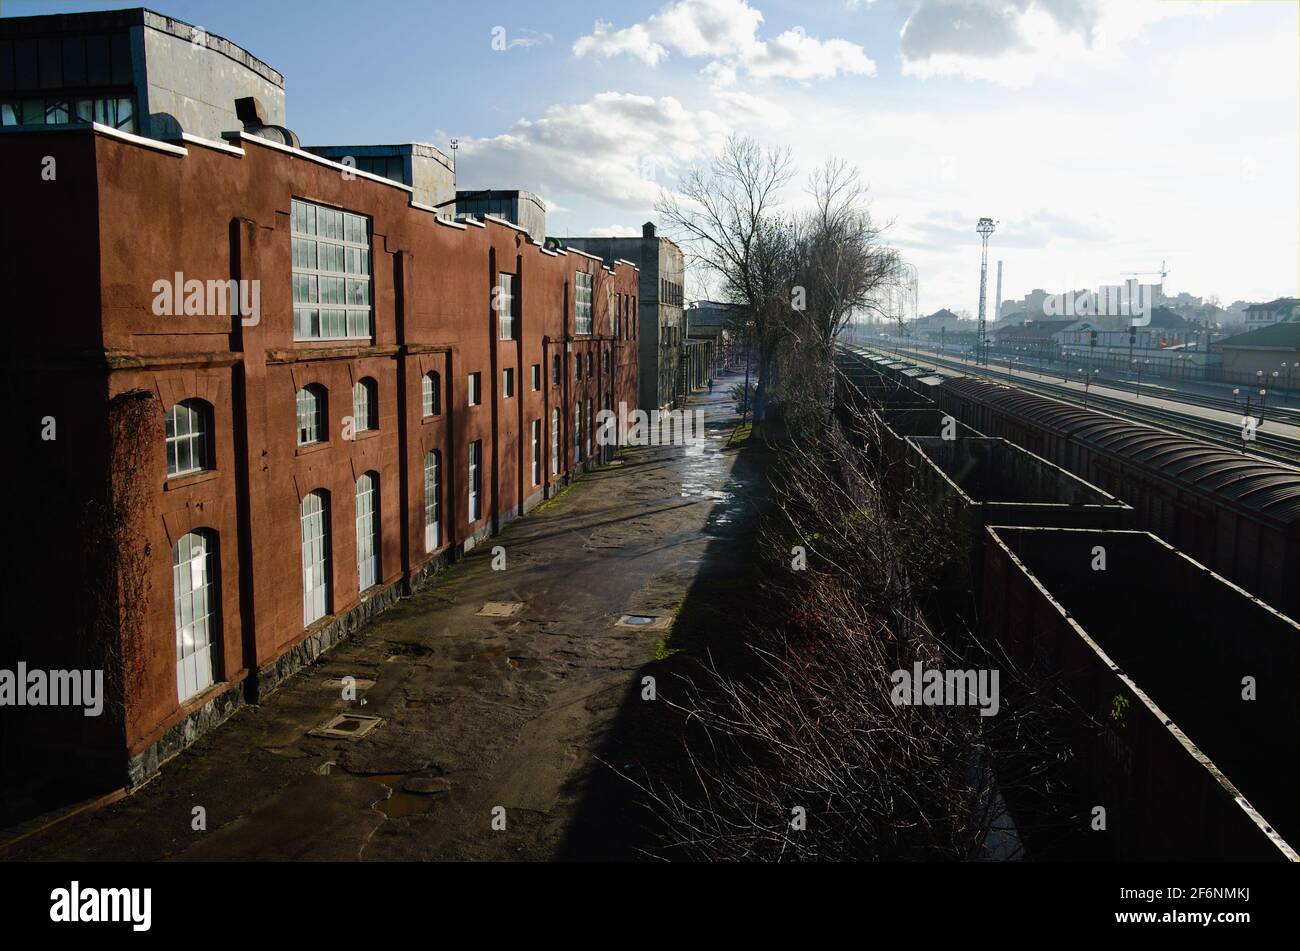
<point x="1261" y="486"/>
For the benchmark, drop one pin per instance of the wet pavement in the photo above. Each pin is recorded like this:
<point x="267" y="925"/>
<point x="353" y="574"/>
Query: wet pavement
<point x="493" y="723"/>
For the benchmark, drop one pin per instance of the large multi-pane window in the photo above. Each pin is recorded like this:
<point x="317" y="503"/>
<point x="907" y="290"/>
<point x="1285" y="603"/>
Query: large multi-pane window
<point x="188" y="437"/>
<point x="365" y="405"/>
<point x="314" y="515"/>
<point x="367" y="530"/>
<point x="331" y="273"/>
<point x="194" y="590"/>
<point x="115" y="111"/>
<point x="582" y="302"/>
<point x="311" y="414"/>
<point x="555" y="370"/>
<point x="506" y="307"/>
<point x="432" y="500"/>
<point x="475" y="480"/>
<point x="431" y="393"/>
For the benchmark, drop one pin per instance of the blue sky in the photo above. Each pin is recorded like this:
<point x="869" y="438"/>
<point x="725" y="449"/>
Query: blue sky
<point x="1104" y="135"/>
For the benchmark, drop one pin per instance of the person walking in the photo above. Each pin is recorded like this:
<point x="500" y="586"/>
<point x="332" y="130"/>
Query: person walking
<point x="710" y="386"/>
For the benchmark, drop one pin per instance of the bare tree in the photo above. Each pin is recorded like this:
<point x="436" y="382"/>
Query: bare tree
<point x="725" y="213"/>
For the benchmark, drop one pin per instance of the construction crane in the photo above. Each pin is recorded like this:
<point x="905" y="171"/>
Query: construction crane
<point x="1163" y="272"/>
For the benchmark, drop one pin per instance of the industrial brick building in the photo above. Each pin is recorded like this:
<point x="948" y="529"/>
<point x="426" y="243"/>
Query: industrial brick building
<point x="227" y="479"/>
<point x="664" y="371"/>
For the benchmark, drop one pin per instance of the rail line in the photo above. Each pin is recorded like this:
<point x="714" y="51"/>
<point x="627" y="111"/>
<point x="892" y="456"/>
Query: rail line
<point x="1268" y="445"/>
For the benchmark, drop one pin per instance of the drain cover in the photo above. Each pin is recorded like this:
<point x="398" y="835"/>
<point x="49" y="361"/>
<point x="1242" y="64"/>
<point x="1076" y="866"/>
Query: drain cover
<point x="347" y="725"/>
<point x="500" y="608"/>
<point x="651" y="622"/>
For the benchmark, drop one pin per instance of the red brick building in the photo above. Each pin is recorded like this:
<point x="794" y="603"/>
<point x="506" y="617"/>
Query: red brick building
<point x="211" y="498"/>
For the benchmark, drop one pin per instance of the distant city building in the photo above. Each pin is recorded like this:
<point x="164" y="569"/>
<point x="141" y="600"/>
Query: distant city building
<point x="662" y="323"/>
<point x="1279" y="310"/>
<point x="1256" y="354"/>
<point x="132" y="70"/>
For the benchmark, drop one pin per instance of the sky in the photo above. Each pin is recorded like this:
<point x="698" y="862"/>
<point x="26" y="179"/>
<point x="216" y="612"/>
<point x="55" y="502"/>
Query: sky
<point x="1104" y="136"/>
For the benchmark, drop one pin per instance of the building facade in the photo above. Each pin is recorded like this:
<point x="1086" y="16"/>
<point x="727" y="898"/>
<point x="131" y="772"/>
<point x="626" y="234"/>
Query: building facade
<point x="133" y="70"/>
<point x="263" y="394"/>
<point x="662" y="327"/>
<point x="426" y="168"/>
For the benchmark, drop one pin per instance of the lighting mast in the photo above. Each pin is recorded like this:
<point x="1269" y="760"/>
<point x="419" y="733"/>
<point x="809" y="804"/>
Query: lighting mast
<point x="984" y="229"/>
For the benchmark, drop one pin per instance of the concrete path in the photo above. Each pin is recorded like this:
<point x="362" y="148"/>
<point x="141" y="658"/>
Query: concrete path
<point x="478" y="712"/>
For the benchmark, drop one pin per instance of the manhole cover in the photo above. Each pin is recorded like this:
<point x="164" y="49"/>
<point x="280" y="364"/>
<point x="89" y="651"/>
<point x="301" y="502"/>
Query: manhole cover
<point x="500" y="608"/>
<point x="348" y="726"/>
<point x="651" y="622"/>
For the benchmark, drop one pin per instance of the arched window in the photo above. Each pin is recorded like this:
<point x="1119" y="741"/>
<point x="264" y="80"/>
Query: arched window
<point x="189" y="437"/>
<point x="314" y="515"/>
<point x="431" y="393"/>
<point x="365" y="405"/>
<point x="368" y="530"/>
<point x="312" y="415"/>
<point x="194" y="591"/>
<point x="432" y="500"/>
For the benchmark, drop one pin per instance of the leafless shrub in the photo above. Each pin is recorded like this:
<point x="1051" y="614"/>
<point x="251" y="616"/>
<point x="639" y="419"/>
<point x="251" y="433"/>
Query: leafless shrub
<point x="815" y="726"/>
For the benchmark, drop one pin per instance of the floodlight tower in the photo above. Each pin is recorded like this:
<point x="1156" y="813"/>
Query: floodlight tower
<point x="984" y="228"/>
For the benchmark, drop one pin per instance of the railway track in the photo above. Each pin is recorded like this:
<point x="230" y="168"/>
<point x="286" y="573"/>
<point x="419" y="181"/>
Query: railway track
<point x="1268" y="445"/>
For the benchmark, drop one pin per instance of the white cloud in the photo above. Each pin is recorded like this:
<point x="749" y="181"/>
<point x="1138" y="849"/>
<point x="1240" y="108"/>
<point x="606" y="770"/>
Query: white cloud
<point x="1012" y="42"/>
<point x="726" y="33"/>
<point x="613" y="231"/>
<point x="620" y="146"/>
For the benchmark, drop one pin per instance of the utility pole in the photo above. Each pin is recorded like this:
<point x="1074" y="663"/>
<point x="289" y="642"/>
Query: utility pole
<point x="984" y="228"/>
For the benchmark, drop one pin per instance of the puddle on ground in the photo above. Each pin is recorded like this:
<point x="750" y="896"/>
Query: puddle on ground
<point x="396" y="649"/>
<point x="485" y="656"/>
<point x="409" y="795"/>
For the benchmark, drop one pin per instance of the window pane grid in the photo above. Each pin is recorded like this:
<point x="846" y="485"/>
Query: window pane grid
<point x="187" y="438"/>
<point x="194" y="603"/>
<point x="331" y="273"/>
<point x="432" y="513"/>
<point x="582" y="302"/>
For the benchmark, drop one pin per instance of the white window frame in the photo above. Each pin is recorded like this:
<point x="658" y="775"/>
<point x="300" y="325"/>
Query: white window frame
<point x="555" y="442"/>
<point x="537" y="451"/>
<point x="365" y="405"/>
<point x="331" y="258"/>
<point x="537" y="377"/>
<point x="507" y="382"/>
<point x="314" y="516"/>
<point x="312" y="402"/>
<point x="432" y="500"/>
<point x="196" y="609"/>
<point x="367" y="510"/>
<point x="582" y="298"/>
<point x="506" y="306"/>
<point x="431" y="394"/>
<point x="475" y="389"/>
<point x="475" y="480"/>
<point x="192" y="442"/>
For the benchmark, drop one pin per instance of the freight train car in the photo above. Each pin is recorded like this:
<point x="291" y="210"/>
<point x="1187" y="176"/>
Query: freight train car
<point x="1237" y="514"/>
